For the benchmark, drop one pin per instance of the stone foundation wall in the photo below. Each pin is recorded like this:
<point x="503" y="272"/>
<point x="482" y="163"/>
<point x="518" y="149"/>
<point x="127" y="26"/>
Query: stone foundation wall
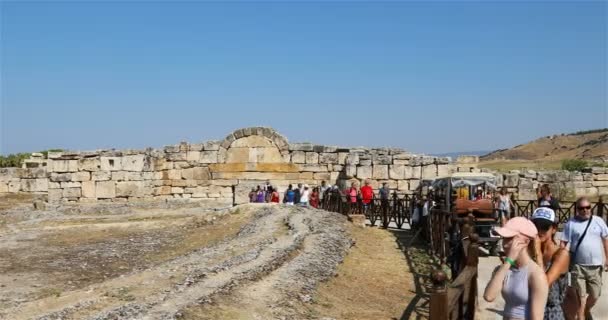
<point x="220" y="171"/>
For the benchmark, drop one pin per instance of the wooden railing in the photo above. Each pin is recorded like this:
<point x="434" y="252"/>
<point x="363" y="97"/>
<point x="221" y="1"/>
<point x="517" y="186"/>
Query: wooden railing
<point x="394" y="210"/>
<point x="525" y="208"/>
<point x="457" y="299"/>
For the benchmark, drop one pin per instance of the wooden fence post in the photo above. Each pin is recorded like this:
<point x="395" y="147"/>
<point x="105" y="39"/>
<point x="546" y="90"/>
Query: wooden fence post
<point x="472" y="261"/>
<point x="438" y="306"/>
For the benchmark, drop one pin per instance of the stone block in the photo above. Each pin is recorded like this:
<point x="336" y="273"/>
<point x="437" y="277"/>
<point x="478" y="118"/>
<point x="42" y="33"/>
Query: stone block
<point x="129" y="189"/>
<point x="322" y="176"/>
<point x="177" y="190"/>
<point x="88" y="189"/>
<point x="444" y="170"/>
<point x="180" y="156"/>
<point x="586" y="192"/>
<point x="601" y="177"/>
<point x="34" y="185"/>
<point x="364" y="172"/>
<point x="197" y="173"/>
<point x="70" y="185"/>
<point x="193" y="156"/>
<point x="195" y="147"/>
<point x="119" y="175"/>
<point x="55" y="195"/>
<point x="162" y="191"/>
<point x="89" y="164"/>
<point x="380" y="171"/>
<point x="54" y="185"/>
<point x="313" y="168"/>
<point x="381" y="159"/>
<point x="71" y="193"/>
<point x="350" y="171"/>
<point x="602" y="191"/>
<point x="429" y="171"/>
<point x="208" y="157"/>
<point x="511" y="180"/>
<point x="399" y="161"/>
<point x="312" y="157"/>
<point x="63" y="165"/>
<point x="583" y="184"/>
<point x="134" y="176"/>
<point x="111" y="163"/>
<point x="305" y="176"/>
<point x="14" y="185"/>
<point x="81" y="176"/>
<point x="599" y="170"/>
<point x="352" y="158"/>
<point x="101" y="176"/>
<point x="32" y="173"/>
<point x="133" y="162"/>
<point x="105" y="189"/>
<point x="298" y="157"/>
<point x="396" y="171"/>
<point x="365" y="162"/>
<point x="173" y="174"/>
<point x="328" y="158"/>
<point x="301" y="147"/>
<point x="403" y="185"/>
<point x="60" y="177"/>
<point x="211" y="146"/>
<point x="598" y="183"/>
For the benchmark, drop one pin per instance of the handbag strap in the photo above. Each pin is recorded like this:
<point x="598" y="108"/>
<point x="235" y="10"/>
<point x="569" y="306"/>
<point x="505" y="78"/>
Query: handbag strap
<point x="581" y="239"/>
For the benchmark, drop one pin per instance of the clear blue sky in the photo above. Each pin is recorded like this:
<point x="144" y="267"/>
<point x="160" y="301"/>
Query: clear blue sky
<point x="428" y="77"/>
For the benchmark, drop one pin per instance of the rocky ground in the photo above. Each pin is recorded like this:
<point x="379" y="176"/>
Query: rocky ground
<point x="163" y="263"/>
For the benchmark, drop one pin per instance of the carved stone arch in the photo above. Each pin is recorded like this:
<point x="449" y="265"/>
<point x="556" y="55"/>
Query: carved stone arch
<point x="254" y="144"/>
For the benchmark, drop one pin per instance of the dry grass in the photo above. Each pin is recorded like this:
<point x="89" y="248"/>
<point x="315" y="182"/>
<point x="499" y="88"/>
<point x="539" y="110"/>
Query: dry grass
<point x="507" y="165"/>
<point x="374" y="281"/>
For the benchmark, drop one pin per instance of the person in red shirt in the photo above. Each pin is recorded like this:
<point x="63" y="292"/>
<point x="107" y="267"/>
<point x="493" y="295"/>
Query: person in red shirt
<point x="314" y="198"/>
<point x="367" y="194"/>
<point x="275" y="196"/>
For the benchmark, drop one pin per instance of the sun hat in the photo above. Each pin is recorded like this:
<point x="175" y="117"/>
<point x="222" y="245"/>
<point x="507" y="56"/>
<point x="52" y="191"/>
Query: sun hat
<point x="543" y="218"/>
<point x="518" y="225"/>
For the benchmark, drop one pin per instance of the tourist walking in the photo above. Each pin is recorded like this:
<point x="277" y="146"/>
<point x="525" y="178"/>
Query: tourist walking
<point x="353" y="195"/>
<point x="504" y="204"/>
<point x="553" y="259"/>
<point x="519" y="279"/>
<point x="314" y="197"/>
<point x="586" y="236"/>
<point x="367" y="194"/>
<point x="305" y="197"/>
<point x="546" y="199"/>
<point x="289" y="196"/>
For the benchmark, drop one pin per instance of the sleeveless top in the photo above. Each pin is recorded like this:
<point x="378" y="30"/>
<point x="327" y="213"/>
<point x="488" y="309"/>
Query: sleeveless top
<point x="260" y="197"/>
<point x="503" y="204"/>
<point x="516" y="293"/>
<point x="557" y="292"/>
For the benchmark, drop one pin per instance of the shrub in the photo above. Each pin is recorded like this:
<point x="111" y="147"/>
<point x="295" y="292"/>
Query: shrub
<point x="574" y="164"/>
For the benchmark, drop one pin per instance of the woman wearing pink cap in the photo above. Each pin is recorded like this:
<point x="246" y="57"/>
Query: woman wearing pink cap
<point x="519" y="279"/>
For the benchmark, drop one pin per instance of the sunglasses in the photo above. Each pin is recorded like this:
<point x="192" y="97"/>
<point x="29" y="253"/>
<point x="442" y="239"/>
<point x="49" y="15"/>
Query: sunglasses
<point x="585" y="207"/>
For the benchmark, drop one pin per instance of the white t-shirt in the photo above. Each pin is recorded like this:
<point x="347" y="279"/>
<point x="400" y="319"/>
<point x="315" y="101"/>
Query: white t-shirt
<point x="591" y="250"/>
<point x="305" y="195"/>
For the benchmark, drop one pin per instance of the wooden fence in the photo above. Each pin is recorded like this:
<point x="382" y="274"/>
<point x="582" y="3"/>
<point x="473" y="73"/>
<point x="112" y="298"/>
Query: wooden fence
<point x="525" y="208"/>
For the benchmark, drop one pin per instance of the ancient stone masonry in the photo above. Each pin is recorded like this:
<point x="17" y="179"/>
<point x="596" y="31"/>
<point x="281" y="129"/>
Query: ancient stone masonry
<point x="219" y="171"/>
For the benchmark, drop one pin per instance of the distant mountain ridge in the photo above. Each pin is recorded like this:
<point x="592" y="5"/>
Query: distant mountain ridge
<point x="455" y="155"/>
<point x="587" y="145"/>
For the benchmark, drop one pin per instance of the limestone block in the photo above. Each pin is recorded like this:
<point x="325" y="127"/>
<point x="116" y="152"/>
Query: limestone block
<point x="101" y="176"/>
<point x="177" y="190"/>
<point x="511" y="180"/>
<point x="133" y="162"/>
<point x="322" y="176"/>
<point x="381" y="159"/>
<point x="197" y="173"/>
<point x="32" y="173"/>
<point x="399" y="161"/>
<point x="81" y="176"/>
<point x="180" y="156"/>
<point x="286" y="157"/>
<point x="208" y="157"/>
<point x="265" y="155"/>
<point x="599" y="170"/>
<point x="301" y="147"/>
<point x="392" y="184"/>
<point x="186" y="196"/>
<point x="411" y="172"/>
<point x="225" y="183"/>
<point x="181" y="183"/>
<point x="352" y="158"/>
<point x="134" y="176"/>
<point x="150" y="175"/>
<point x="211" y="146"/>
<point x="414" y="184"/>
<point x="105" y="189"/>
<point x="298" y="157"/>
<point x="312" y="157"/>
<point x="88" y="189"/>
<point x="34" y="185"/>
<point x="89" y="164"/>
<point x="415" y="161"/>
<point x="601" y="177"/>
<point x="333" y="177"/>
<point x="305" y="176"/>
<point x="364" y="172"/>
<point x="599" y="183"/>
<point x="61" y="177"/>
<point x="396" y="171"/>
<point x="365" y="162"/>
<point x="335" y="167"/>
<point x="526" y="194"/>
<point x="403" y="185"/>
<point x="583" y="184"/>
<point x="54" y="185"/>
<point x="129" y="189"/>
<point x="71" y="193"/>
<point x="586" y="192"/>
<point x="429" y="171"/>
<point x="173" y="174"/>
<point x="193" y="156"/>
<point x="402" y="156"/>
<point x="3" y="186"/>
<point x="443" y="170"/>
<point x="54" y="155"/>
<point x="587" y="177"/>
<point x="111" y="163"/>
<point x="171" y="148"/>
<point x="313" y="168"/>
<point x="63" y="165"/>
<point x="162" y="191"/>
<point x="119" y="175"/>
<point x="602" y="191"/>
<point x="70" y="185"/>
<point x="55" y="195"/>
<point x="195" y="147"/>
<point x="328" y="158"/>
<point x="380" y="171"/>
<point x="350" y="171"/>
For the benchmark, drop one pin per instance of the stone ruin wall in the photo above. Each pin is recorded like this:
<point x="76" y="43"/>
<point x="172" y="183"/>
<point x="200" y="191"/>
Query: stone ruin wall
<point x="221" y="172"/>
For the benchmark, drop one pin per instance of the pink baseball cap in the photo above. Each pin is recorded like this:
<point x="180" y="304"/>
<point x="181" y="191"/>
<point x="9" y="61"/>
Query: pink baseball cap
<point x="518" y="225"/>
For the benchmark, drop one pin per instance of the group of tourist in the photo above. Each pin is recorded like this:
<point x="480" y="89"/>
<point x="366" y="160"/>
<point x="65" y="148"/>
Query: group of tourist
<point x="301" y="195"/>
<point x="541" y="279"/>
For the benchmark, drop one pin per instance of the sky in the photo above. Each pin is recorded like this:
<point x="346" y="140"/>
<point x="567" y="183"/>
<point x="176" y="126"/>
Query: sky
<point x="429" y="77"/>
